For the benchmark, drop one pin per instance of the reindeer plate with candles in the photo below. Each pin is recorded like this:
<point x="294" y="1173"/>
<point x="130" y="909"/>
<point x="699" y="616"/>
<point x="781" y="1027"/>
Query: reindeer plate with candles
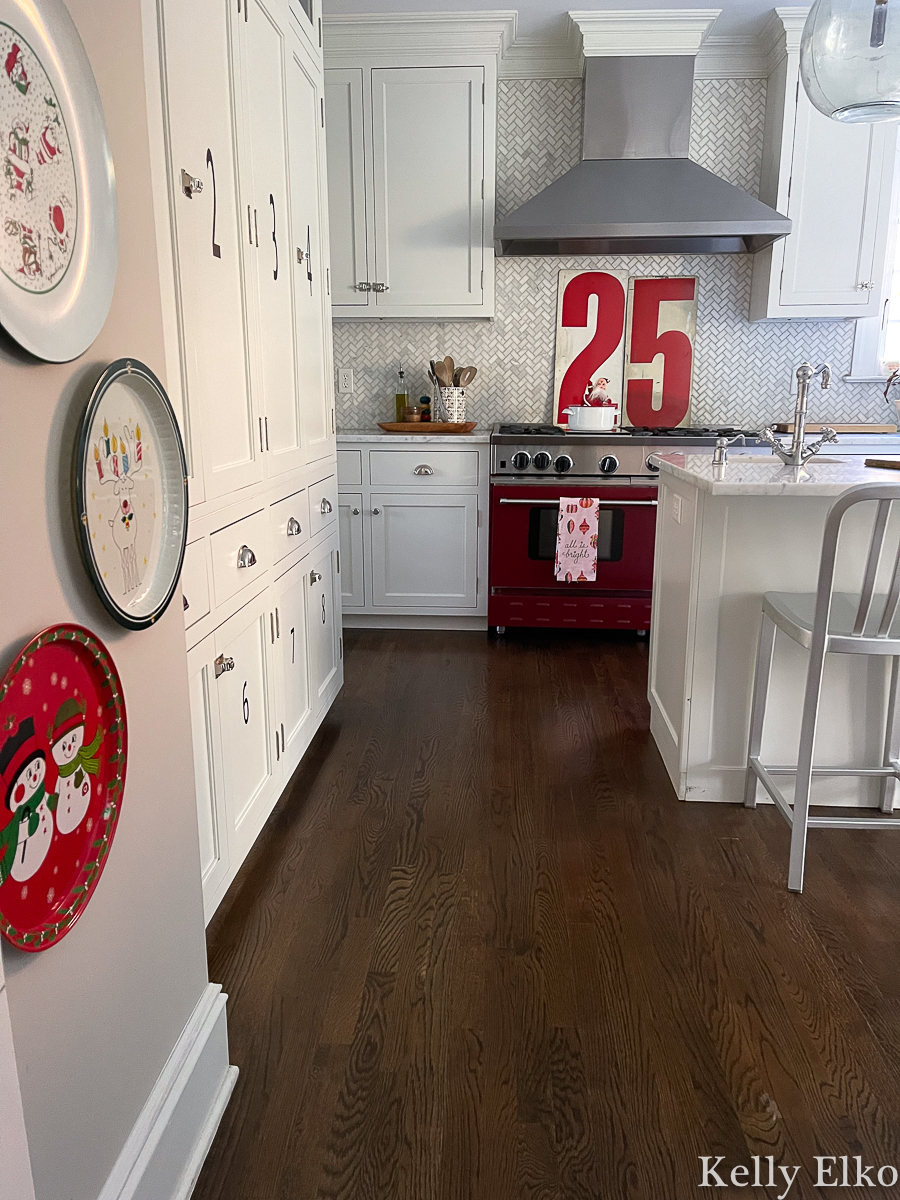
<point x="131" y="494"/>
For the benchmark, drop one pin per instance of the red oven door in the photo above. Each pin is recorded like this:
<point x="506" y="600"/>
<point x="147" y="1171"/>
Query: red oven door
<point x="523" y="537"/>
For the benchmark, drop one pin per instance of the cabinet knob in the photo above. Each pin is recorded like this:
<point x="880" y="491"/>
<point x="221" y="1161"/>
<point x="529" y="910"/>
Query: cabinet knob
<point x="364" y="287"/>
<point x="222" y="664"/>
<point x="190" y="185"/>
<point x="375" y="512"/>
<point x="293" y="527"/>
<point x="423" y="469"/>
<point x="325" y="507"/>
<point x="356" y="512"/>
<point x="315" y="577"/>
<point x="246" y="557"/>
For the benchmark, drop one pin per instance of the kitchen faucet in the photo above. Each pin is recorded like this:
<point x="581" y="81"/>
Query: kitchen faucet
<point x="798" y="454"/>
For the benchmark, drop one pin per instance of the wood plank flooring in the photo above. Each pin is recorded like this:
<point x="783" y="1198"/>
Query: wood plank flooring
<point x="481" y="952"/>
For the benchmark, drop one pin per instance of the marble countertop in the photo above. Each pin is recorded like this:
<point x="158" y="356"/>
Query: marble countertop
<point x="477" y="437"/>
<point x="758" y="475"/>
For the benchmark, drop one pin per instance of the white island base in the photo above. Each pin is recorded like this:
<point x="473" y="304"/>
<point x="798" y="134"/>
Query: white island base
<point x="723" y="538"/>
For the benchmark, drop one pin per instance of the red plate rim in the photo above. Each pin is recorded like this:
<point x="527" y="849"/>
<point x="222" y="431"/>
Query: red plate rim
<point x="50" y="932"/>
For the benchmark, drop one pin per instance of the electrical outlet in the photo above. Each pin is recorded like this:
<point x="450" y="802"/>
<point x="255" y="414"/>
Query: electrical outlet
<point x="345" y="380"/>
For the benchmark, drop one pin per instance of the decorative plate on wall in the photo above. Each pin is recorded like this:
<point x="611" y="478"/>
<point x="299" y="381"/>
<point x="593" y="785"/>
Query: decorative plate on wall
<point x="63" y="750"/>
<point x="59" y="230"/>
<point x="131" y="493"/>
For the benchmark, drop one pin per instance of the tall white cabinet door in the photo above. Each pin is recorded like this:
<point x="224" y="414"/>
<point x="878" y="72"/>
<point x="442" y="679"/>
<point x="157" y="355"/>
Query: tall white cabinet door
<point x="350" y="525"/>
<point x="323" y="618"/>
<point x="347" y="188"/>
<point x="312" y="314"/>
<point x="264" y="58"/>
<point x="250" y="756"/>
<point x="308" y="16"/>
<point x="207" y="234"/>
<point x="424" y="551"/>
<point x="837" y="186"/>
<point x="428" y="151"/>
<point x="294" y="711"/>
<point x="211" y="815"/>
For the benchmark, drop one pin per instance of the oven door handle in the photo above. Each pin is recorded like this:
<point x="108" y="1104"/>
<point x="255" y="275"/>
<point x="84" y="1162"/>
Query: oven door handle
<point x="603" y="503"/>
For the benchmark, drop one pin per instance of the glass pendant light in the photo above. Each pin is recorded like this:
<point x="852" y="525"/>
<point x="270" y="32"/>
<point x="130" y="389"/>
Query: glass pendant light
<point x="850" y="59"/>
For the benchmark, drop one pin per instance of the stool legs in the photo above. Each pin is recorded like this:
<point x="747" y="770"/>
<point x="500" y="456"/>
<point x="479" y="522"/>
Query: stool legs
<point x="800" y="823"/>
<point x="891" y="737"/>
<point x="764" y="652"/>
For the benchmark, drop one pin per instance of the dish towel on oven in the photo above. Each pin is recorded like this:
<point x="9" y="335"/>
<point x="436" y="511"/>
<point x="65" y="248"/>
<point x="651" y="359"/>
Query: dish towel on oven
<point x="576" y="539"/>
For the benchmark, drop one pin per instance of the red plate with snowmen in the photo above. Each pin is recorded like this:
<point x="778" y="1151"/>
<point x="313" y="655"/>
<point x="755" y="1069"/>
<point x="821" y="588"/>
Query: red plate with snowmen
<point x="63" y="749"/>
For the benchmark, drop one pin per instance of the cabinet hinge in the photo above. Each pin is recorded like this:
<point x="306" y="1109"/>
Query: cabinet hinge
<point x="332" y="420"/>
<point x="320" y="33"/>
<point x="322" y="109"/>
<point x="328" y="281"/>
<point x="338" y="553"/>
<point x="482" y="93"/>
<point x="340" y="647"/>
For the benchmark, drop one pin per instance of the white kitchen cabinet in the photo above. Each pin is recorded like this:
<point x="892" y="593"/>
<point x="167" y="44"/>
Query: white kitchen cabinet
<point x="323" y="622"/>
<point x="411" y="110"/>
<point x="424" y="551"/>
<point x="307" y="16"/>
<point x="288" y="633"/>
<point x="220" y="419"/>
<point x="835" y="182"/>
<point x="350" y="518"/>
<point x="212" y="818"/>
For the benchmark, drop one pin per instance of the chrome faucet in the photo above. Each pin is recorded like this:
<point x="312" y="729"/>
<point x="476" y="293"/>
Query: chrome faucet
<point x="799" y="453"/>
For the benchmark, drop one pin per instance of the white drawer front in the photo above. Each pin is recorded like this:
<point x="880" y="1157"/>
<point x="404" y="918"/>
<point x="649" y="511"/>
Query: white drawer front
<point x="428" y="467"/>
<point x="289" y="524"/>
<point x="323" y="504"/>
<point x="349" y="468"/>
<point x="228" y="548"/>
<point x="195" y="582"/>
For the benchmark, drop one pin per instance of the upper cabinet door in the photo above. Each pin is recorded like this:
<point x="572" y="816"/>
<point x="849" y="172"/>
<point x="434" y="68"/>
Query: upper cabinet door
<point x="836" y="193"/>
<point x="428" y="157"/>
<point x="307" y="15"/>
<point x="347" y="188"/>
<point x="264" y="58"/>
<point x="207" y="250"/>
<point x="309" y="250"/>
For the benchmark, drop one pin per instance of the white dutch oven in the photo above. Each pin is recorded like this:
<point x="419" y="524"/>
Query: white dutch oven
<point x="584" y="418"/>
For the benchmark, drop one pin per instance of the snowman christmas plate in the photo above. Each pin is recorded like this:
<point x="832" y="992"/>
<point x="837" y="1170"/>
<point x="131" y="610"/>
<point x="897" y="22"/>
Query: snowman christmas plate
<point x="131" y="494"/>
<point x="63" y="748"/>
<point x="58" y="224"/>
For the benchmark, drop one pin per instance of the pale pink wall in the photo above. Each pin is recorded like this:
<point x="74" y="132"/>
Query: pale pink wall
<point x="95" y="1017"/>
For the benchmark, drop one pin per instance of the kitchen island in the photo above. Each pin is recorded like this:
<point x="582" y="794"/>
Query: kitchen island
<point x="724" y="536"/>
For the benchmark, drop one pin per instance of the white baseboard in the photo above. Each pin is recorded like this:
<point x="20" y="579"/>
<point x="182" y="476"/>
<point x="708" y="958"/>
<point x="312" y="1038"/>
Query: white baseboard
<point x="162" y="1157"/>
<point x="411" y="621"/>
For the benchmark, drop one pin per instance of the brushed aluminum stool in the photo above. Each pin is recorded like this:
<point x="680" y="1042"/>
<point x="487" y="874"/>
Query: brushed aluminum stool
<point x="829" y="622"/>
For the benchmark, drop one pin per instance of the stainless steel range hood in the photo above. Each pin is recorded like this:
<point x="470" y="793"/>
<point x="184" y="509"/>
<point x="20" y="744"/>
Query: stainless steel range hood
<point x="635" y="190"/>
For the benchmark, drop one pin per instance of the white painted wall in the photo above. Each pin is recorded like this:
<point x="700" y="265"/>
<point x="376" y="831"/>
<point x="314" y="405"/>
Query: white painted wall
<point x="95" y="1018"/>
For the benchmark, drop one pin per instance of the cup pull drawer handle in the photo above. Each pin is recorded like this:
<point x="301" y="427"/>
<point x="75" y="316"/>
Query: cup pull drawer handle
<point x="223" y="664"/>
<point x="325" y="507"/>
<point x="423" y="469"/>
<point x="315" y="577"/>
<point x="246" y="557"/>
<point x="293" y="527"/>
<point x="184" y="601"/>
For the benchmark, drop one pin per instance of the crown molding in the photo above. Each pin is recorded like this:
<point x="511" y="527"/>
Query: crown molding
<point x="380" y="34"/>
<point x="545" y="57"/>
<point x="731" y="58"/>
<point x="643" y="33"/>
<point x="781" y="34"/>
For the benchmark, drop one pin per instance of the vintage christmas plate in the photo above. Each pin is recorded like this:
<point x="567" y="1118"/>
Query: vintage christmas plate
<point x="131" y="493"/>
<point x="58" y="233"/>
<point x="63" y="748"/>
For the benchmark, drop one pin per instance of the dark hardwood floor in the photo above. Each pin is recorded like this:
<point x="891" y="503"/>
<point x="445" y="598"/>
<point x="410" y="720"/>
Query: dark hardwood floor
<point x="481" y="952"/>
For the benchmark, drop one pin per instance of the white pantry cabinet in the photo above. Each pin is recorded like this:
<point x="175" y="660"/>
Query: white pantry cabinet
<point x="413" y="527"/>
<point x="243" y="239"/>
<point x="411" y="109"/>
<point x="835" y="182"/>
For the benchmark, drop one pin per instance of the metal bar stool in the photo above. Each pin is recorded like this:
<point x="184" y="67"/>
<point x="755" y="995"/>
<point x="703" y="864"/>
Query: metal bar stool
<point x="828" y="622"/>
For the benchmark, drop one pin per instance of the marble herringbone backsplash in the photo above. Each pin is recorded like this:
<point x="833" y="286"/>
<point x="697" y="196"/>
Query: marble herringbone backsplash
<point x="742" y="371"/>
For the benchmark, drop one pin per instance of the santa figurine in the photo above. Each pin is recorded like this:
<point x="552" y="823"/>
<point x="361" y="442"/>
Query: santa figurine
<point x="75" y="764"/>
<point x="24" y="840"/>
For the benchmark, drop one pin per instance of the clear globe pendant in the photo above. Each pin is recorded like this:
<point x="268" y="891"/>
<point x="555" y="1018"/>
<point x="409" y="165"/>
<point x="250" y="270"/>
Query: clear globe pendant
<point x="850" y="59"/>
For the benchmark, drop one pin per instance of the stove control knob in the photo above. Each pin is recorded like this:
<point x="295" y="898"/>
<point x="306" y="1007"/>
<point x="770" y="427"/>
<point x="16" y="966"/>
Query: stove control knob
<point x="652" y="464"/>
<point x="542" y="460"/>
<point x="521" y="460"/>
<point x="563" y="464"/>
<point x="609" y="464"/>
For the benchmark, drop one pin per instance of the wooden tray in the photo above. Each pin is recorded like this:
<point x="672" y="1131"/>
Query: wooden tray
<point x="818" y="426"/>
<point x="427" y="426"/>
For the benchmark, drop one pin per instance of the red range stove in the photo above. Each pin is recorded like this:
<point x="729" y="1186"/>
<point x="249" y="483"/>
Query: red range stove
<point x="532" y="466"/>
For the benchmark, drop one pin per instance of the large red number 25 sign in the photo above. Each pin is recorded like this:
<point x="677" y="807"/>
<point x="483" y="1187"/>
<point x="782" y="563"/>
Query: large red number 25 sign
<point x="646" y="342"/>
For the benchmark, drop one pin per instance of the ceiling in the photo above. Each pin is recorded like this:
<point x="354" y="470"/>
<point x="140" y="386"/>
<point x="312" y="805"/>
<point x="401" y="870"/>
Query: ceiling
<point x="546" y="18"/>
